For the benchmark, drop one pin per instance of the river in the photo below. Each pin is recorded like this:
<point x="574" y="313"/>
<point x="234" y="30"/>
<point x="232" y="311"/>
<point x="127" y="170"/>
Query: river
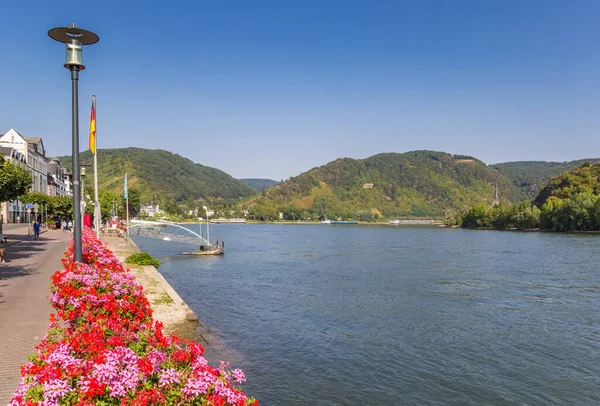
<point x="339" y="315"/>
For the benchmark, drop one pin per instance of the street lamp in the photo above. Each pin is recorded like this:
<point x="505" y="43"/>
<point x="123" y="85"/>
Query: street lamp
<point x="75" y="39"/>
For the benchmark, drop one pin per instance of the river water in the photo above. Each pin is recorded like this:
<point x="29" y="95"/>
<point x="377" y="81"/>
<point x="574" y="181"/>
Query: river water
<point x="340" y="315"/>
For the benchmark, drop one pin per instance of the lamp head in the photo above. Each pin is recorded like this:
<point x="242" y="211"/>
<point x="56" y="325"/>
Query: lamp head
<point x="74" y="38"/>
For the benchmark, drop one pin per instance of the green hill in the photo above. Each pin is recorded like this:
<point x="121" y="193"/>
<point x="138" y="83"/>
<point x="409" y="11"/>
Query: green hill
<point x="413" y="184"/>
<point x="258" y="185"/>
<point x="529" y="177"/>
<point x="584" y="179"/>
<point x="160" y="175"/>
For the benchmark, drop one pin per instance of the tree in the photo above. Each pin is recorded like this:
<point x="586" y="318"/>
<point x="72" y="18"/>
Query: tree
<point x="106" y="198"/>
<point x="14" y="180"/>
<point x="478" y="216"/>
<point x="35" y="198"/>
<point x="61" y="206"/>
<point x="134" y="202"/>
<point x="502" y="216"/>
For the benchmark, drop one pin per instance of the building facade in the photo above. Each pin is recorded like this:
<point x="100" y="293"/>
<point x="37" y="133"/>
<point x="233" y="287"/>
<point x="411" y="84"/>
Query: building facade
<point x="56" y="179"/>
<point x="28" y="152"/>
<point x="35" y="155"/>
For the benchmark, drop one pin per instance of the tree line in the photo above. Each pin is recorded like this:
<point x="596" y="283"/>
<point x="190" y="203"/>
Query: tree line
<point x="580" y="212"/>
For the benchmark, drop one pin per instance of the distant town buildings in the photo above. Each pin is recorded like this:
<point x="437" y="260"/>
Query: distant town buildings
<point x="47" y="177"/>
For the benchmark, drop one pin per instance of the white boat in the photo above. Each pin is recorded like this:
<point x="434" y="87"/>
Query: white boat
<point x="237" y="220"/>
<point x="326" y="222"/>
<point x="394" y="222"/>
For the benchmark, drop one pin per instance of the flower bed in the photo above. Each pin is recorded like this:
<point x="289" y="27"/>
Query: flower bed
<point x="103" y="347"/>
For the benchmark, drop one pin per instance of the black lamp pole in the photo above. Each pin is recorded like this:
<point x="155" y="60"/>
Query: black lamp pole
<point x="75" y="39"/>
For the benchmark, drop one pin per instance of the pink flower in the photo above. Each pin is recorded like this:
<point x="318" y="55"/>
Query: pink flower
<point x="195" y="387"/>
<point x="239" y="375"/>
<point x="168" y="376"/>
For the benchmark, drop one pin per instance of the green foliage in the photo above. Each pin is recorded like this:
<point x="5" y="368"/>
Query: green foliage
<point x="452" y="218"/>
<point x="529" y="177"/>
<point x="106" y="199"/>
<point x="142" y="258"/>
<point x="580" y="212"/>
<point x="478" y="216"/>
<point x="570" y="202"/>
<point x="160" y="176"/>
<point x="584" y="179"/>
<point x="259" y="184"/>
<point x="61" y="206"/>
<point x="35" y="198"/>
<point x="14" y="180"/>
<point x="522" y="216"/>
<point x="413" y="184"/>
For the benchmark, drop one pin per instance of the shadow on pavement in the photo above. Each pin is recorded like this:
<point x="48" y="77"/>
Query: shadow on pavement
<point x="17" y="254"/>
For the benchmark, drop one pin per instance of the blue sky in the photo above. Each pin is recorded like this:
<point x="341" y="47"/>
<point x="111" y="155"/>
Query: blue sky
<point x="273" y="88"/>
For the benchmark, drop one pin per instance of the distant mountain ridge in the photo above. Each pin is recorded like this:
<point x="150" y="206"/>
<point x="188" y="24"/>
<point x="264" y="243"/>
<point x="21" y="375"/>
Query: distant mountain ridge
<point x="259" y="184"/>
<point x="416" y="183"/>
<point x="160" y="175"/>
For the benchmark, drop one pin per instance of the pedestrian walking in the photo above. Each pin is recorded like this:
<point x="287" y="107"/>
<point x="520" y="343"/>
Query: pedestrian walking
<point x="36" y="230"/>
<point x="70" y="225"/>
<point x="18" y="219"/>
<point x="64" y="225"/>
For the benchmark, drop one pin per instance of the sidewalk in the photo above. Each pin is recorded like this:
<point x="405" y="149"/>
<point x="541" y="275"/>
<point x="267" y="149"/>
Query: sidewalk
<point x="24" y="303"/>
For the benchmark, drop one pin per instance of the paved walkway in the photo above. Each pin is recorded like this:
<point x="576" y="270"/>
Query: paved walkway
<point x="24" y="304"/>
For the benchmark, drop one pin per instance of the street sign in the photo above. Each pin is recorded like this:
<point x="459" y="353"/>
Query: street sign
<point x="28" y="210"/>
<point x="29" y="206"/>
<point x="35" y="210"/>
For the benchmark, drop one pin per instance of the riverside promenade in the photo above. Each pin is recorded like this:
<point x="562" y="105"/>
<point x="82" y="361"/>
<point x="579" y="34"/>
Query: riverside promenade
<point x="24" y="303"/>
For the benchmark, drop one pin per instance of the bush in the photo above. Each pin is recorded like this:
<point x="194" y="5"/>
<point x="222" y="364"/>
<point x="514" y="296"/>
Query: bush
<point x="143" y="258"/>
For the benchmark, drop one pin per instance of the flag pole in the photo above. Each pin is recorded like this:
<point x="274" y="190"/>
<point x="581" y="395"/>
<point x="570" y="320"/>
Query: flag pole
<point x="126" y="196"/>
<point x="96" y="201"/>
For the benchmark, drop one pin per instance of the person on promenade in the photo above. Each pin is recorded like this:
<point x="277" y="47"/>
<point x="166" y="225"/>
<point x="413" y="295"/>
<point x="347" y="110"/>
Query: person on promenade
<point x="70" y="225"/>
<point x="36" y="230"/>
<point x="18" y="219"/>
<point x="64" y="225"/>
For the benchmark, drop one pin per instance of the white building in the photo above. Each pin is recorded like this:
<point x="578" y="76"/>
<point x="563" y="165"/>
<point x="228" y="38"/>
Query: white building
<point x="56" y="179"/>
<point x="68" y="182"/>
<point x="151" y="210"/>
<point x="35" y="155"/>
<point x="28" y="152"/>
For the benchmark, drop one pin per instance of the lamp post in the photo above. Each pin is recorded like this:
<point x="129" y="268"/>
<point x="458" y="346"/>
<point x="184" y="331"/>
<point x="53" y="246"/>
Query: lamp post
<point x="75" y="39"/>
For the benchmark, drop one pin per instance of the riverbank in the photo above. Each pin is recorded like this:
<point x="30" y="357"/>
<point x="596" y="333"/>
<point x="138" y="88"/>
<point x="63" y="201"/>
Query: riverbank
<point x="167" y="306"/>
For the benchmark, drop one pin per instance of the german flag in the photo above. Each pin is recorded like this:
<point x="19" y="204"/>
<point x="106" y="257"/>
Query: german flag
<point x="93" y="126"/>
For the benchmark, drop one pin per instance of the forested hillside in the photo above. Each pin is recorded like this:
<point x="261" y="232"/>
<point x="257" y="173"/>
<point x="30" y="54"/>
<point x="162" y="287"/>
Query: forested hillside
<point x="529" y="177"/>
<point x="160" y="175"/>
<point x="390" y="185"/>
<point x="584" y="179"/>
<point x="258" y="185"/>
